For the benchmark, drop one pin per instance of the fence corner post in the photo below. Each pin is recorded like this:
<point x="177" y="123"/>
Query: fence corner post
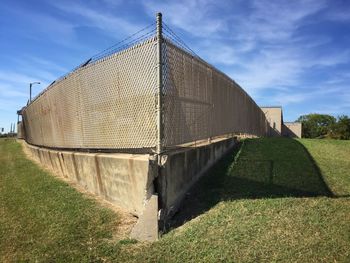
<point x="160" y="84"/>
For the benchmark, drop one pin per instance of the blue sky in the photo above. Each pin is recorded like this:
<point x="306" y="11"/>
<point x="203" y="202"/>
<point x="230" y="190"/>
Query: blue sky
<point x="290" y="53"/>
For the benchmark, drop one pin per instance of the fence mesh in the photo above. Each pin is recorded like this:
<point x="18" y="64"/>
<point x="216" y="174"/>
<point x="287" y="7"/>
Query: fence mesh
<point x="110" y="101"/>
<point x="201" y="102"/>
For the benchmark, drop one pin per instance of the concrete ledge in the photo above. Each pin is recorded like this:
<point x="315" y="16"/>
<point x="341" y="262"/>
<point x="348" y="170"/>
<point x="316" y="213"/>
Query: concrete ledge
<point x="125" y="180"/>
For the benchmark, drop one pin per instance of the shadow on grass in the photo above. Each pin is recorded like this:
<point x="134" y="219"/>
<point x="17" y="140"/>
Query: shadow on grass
<point x="257" y="168"/>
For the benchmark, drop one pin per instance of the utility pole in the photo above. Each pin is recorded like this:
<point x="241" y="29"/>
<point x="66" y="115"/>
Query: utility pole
<point x="160" y="84"/>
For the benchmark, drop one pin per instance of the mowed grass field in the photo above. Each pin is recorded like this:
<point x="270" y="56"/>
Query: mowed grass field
<point x="272" y="200"/>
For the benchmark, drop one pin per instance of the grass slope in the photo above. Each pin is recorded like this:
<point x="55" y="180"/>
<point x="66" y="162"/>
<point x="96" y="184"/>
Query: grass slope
<point x="333" y="158"/>
<point x="275" y="200"/>
<point x="272" y="205"/>
<point x="44" y="219"/>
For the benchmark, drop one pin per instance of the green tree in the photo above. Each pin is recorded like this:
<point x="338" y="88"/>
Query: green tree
<point x="316" y="125"/>
<point x="341" y="130"/>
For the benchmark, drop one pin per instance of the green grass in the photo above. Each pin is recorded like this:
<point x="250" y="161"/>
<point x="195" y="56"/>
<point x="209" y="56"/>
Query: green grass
<point x="271" y="205"/>
<point x="44" y="219"/>
<point x="276" y="200"/>
<point x="333" y="158"/>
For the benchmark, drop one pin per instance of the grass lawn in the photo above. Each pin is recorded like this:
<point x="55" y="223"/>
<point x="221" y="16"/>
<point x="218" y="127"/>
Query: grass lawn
<point x="44" y="219"/>
<point x="275" y="200"/>
<point x="333" y="158"/>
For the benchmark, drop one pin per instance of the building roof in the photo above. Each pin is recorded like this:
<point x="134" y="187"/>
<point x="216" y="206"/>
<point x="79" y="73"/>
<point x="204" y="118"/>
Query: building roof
<point x="271" y="107"/>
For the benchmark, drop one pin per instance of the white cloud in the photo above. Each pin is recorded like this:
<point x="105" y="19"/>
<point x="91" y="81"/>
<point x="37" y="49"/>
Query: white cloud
<point x="289" y="97"/>
<point x="14" y="77"/>
<point x="102" y="19"/>
<point x="193" y="16"/>
<point x="50" y="65"/>
<point x="270" y="69"/>
<point x="19" y="78"/>
<point x="45" y="27"/>
<point x="336" y="109"/>
<point x="262" y="43"/>
<point x="277" y="20"/>
<point x="7" y="91"/>
<point x="339" y="12"/>
<point x="15" y="85"/>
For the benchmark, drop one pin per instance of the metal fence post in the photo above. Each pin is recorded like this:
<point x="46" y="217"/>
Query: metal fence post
<point x="160" y="84"/>
<point x="30" y="92"/>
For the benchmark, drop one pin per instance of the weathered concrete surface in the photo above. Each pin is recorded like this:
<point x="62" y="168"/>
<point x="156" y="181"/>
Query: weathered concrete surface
<point x="137" y="183"/>
<point x="183" y="168"/>
<point x="125" y="180"/>
<point x="275" y="119"/>
<point x="20" y="130"/>
<point x="146" y="228"/>
<point x="278" y="127"/>
<point x="292" y="129"/>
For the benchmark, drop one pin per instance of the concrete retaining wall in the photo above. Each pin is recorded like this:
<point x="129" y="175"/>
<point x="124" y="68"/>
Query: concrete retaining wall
<point x="183" y="168"/>
<point x="141" y="184"/>
<point x="125" y="180"/>
<point x="20" y="130"/>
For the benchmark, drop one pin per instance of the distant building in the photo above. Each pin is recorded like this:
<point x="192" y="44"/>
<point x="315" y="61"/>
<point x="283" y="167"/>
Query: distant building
<point x="274" y="116"/>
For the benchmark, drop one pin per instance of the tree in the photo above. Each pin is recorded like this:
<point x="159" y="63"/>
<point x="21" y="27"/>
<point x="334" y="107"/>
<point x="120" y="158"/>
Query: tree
<point x="341" y="130"/>
<point x="316" y="125"/>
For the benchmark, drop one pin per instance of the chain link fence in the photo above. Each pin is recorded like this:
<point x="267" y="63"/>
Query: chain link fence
<point x="201" y="102"/>
<point x="110" y="102"/>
